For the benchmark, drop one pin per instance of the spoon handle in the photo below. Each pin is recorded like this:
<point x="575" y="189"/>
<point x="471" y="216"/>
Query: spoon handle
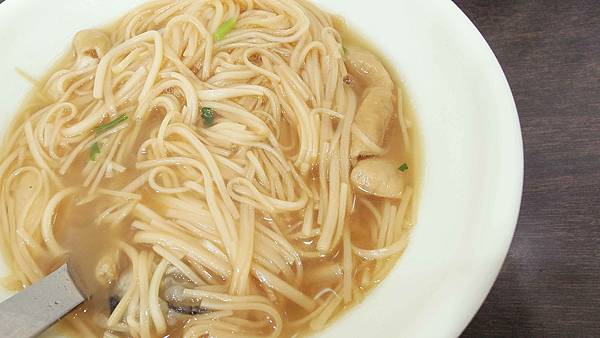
<point x="31" y="311"/>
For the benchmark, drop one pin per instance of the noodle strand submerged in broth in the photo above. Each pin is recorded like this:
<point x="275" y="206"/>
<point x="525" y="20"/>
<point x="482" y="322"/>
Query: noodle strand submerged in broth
<point x="213" y="168"/>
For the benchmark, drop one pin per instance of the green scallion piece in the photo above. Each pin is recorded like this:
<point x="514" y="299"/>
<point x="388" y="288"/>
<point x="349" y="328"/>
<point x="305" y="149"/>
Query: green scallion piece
<point x="94" y="151"/>
<point x="224" y="28"/>
<point x="344" y="50"/>
<point x="208" y="116"/>
<point x="403" y="167"/>
<point x="105" y="127"/>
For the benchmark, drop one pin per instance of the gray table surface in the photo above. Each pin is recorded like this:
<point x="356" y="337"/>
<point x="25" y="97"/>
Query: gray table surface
<point x="550" y="50"/>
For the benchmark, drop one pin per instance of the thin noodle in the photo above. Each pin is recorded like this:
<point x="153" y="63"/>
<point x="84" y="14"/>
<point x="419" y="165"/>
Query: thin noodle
<point x="195" y="158"/>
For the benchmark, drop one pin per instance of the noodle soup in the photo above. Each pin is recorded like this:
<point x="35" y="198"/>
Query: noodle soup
<point x="211" y="169"/>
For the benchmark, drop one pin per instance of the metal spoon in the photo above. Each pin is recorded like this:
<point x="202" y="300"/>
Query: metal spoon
<point x="31" y="311"/>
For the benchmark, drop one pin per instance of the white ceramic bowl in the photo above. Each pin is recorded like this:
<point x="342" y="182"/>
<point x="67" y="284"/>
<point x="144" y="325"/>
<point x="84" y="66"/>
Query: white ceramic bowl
<point x="473" y="161"/>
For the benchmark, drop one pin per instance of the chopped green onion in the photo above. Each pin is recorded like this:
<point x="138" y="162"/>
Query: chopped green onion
<point x="105" y="127"/>
<point x="403" y="167"/>
<point x="208" y="116"/>
<point x="94" y="151"/>
<point x="224" y="28"/>
<point x="344" y="50"/>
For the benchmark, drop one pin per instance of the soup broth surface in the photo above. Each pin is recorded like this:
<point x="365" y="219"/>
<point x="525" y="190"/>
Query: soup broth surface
<point x="145" y="219"/>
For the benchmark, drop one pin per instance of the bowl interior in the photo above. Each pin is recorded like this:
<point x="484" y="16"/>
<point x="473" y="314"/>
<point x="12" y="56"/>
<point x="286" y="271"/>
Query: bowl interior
<point x="472" y="161"/>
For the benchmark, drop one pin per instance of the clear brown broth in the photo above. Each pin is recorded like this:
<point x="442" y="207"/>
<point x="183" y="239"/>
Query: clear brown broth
<point x="76" y="230"/>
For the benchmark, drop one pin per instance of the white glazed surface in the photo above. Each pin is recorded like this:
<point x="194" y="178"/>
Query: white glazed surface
<point x="473" y="155"/>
